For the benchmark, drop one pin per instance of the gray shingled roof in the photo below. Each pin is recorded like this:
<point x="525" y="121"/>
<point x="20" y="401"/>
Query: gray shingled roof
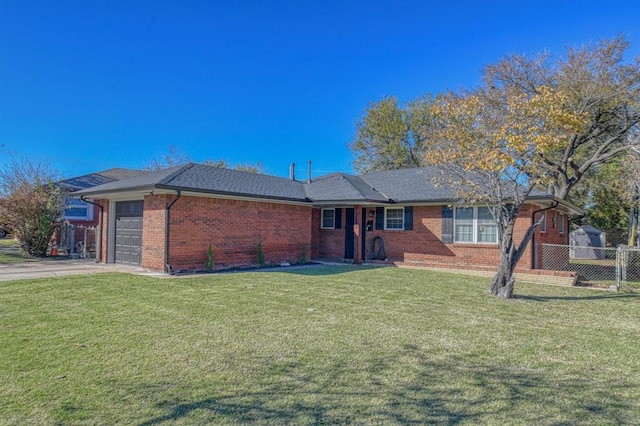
<point x="144" y="181"/>
<point x="234" y="182"/>
<point x="394" y="186"/>
<point x="342" y="187"/>
<point x="208" y="179"/>
<point x="99" y="178"/>
<point x="410" y="185"/>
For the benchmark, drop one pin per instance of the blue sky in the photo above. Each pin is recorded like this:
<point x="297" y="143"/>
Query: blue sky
<point x="90" y="85"/>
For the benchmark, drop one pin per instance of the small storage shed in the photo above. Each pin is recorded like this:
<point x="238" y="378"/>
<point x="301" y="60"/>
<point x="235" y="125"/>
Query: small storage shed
<point x="587" y="242"/>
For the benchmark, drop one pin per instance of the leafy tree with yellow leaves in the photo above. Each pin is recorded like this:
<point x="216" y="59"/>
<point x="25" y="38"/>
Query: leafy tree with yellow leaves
<point x="536" y="123"/>
<point x="494" y="153"/>
<point x="597" y="86"/>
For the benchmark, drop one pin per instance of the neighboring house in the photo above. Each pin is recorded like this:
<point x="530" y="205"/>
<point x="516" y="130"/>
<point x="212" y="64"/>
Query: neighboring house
<point x="165" y="220"/>
<point x="84" y="214"/>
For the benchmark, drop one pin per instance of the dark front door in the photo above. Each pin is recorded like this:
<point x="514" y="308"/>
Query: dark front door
<point x="128" y="247"/>
<point x="348" y="234"/>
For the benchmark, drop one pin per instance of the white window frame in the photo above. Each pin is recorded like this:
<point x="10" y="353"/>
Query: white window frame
<point x="333" y="226"/>
<point x="386" y="227"/>
<point x="561" y="226"/>
<point x="475" y="229"/>
<point x="543" y="225"/>
<point x="89" y="210"/>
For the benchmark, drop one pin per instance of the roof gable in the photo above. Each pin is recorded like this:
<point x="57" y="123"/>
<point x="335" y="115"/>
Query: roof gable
<point x="342" y="187"/>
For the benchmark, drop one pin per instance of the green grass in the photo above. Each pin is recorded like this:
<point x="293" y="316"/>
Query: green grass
<point x="10" y="252"/>
<point x="7" y="242"/>
<point x="333" y="345"/>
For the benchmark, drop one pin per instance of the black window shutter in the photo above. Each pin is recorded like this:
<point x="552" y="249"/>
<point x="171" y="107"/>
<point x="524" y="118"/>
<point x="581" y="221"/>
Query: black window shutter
<point x="447" y="224"/>
<point x="379" y="218"/>
<point x="338" y="219"/>
<point x="408" y="218"/>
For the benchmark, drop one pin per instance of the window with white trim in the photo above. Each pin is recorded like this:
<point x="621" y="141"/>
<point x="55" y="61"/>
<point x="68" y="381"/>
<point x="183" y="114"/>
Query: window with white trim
<point x="474" y="225"/>
<point x="328" y="218"/>
<point x="561" y="225"/>
<point x="543" y="225"/>
<point x="394" y="218"/>
<point x="76" y="209"/>
<point x="487" y="230"/>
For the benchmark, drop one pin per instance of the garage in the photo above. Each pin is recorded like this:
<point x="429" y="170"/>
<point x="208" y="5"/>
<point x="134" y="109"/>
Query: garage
<point x="128" y="246"/>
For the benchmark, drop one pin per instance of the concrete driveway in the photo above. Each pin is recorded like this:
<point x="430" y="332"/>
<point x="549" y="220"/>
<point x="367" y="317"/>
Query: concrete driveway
<point x="64" y="267"/>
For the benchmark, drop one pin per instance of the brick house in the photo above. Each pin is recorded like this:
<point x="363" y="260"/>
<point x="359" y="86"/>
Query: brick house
<point x="166" y="220"/>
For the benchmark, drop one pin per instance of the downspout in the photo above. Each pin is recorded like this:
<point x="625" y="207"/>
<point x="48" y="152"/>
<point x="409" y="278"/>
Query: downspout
<point x="167" y="219"/>
<point x="99" y="233"/>
<point x="533" y="236"/>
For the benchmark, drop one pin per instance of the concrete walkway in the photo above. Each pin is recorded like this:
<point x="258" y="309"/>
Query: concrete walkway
<point x="60" y="268"/>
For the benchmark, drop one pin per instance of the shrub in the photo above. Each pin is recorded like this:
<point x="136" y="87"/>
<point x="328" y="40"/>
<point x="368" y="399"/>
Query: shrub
<point x="261" y="260"/>
<point x="31" y="204"/>
<point x="208" y="264"/>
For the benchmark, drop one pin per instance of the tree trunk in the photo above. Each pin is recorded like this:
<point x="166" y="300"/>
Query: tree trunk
<point x="503" y="282"/>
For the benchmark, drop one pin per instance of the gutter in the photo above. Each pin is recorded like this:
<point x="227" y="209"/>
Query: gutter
<point x="167" y="220"/>
<point x="89" y="192"/>
<point x="232" y="194"/>
<point x="563" y="202"/>
<point x="226" y="194"/>
<point x="99" y="233"/>
<point x="533" y="236"/>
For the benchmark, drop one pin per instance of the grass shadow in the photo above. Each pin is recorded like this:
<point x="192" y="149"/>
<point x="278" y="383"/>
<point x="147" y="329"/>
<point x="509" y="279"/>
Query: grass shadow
<point x="617" y="296"/>
<point x="421" y="394"/>
<point x="318" y="269"/>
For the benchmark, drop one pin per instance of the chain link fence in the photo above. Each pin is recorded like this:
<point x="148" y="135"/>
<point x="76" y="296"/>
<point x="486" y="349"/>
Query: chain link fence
<point x="628" y="264"/>
<point x="77" y="240"/>
<point x="596" y="266"/>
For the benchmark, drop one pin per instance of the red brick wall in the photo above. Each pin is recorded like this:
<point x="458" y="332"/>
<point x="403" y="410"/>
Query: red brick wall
<point x="552" y="234"/>
<point x="423" y="245"/>
<point x="234" y="228"/>
<point x="153" y="230"/>
<point x="331" y="244"/>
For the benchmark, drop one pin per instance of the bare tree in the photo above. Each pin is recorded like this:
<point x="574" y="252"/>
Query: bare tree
<point x="31" y="203"/>
<point x="175" y="157"/>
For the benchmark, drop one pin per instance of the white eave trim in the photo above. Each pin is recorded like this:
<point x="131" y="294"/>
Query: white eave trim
<point x="140" y="194"/>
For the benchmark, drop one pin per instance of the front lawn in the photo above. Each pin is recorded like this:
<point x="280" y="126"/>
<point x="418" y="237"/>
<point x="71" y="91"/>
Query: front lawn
<point x="322" y="345"/>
